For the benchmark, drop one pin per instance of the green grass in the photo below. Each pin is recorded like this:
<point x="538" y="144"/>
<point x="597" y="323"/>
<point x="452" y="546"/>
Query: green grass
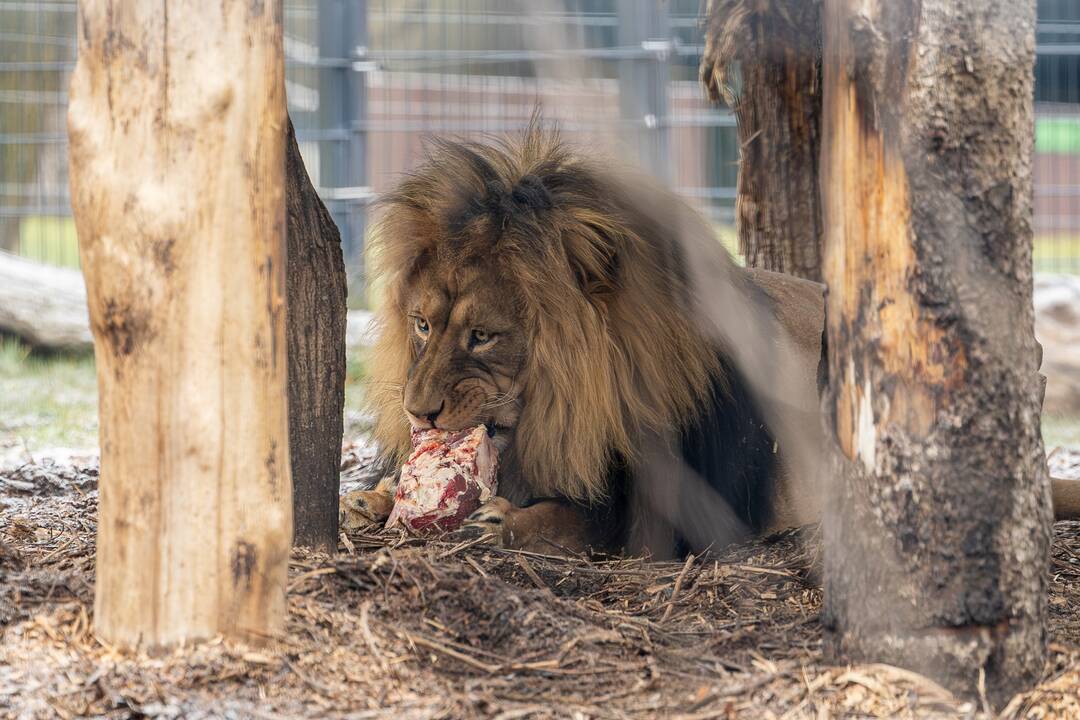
<point x="1057" y="135"/>
<point x="729" y="238"/>
<point x="1058" y="253"/>
<point x="355" y="372"/>
<point x="51" y="401"/>
<point x="1060" y="431"/>
<point x="46" y="402"/>
<point x="49" y="240"/>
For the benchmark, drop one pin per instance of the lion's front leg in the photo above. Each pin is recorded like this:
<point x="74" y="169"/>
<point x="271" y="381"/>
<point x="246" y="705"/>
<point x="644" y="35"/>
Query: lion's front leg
<point x="362" y="508"/>
<point x="547" y="526"/>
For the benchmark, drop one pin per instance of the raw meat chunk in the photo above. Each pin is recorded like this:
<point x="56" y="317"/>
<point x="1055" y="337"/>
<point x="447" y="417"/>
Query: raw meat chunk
<point x="446" y="478"/>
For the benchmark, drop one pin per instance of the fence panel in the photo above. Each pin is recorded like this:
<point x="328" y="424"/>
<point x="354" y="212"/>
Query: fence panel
<point x="368" y="80"/>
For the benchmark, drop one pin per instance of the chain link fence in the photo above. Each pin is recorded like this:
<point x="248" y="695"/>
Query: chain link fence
<point x="368" y="80"/>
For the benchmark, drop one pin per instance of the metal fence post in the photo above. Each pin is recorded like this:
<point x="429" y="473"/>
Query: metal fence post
<point x="358" y="136"/>
<point x="643" y="82"/>
<point x="342" y="104"/>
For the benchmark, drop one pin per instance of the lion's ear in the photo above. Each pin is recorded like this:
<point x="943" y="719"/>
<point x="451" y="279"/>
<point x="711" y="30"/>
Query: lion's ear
<point x="596" y="287"/>
<point x="594" y="260"/>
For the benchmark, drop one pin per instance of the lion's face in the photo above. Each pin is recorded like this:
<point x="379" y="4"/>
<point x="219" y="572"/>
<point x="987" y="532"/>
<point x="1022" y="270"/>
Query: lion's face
<point x="470" y="348"/>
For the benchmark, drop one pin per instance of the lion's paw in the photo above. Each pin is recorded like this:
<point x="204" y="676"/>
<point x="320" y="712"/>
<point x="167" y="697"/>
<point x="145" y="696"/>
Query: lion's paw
<point x="363" y="508"/>
<point x="491" y="521"/>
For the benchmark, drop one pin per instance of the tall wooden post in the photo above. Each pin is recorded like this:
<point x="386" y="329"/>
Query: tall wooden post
<point x="177" y="136"/>
<point x="763" y="59"/>
<point x="317" y="291"/>
<point x="937" y="539"/>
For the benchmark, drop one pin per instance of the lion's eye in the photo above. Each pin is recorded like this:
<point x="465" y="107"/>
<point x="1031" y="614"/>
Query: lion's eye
<point x="421" y="326"/>
<point x="480" y="337"/>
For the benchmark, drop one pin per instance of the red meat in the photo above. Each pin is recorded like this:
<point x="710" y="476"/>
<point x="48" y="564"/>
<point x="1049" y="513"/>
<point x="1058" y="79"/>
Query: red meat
<point x="446" y="478"/>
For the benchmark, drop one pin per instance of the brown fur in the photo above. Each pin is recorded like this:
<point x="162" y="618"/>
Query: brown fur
<point x="602" y="366"/>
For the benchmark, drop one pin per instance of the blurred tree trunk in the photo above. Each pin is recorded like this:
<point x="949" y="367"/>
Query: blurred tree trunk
<point x="9" y="235"/>
<point x="763" y="58"/>
<point x="316" y="336"/>
<point x="178" y="189"/>
<point x="938" y="533"/>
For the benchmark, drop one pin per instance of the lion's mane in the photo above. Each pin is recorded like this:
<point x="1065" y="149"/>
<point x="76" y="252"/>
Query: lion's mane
<point x="613" y="352"/>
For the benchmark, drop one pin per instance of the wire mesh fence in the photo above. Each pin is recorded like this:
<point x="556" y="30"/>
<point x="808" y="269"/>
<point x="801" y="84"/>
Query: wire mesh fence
<point x="368" y="80"/>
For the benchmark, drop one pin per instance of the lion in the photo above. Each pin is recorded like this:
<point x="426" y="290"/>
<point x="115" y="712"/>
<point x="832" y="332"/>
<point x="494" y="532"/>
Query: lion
<point x="530" y="288"/>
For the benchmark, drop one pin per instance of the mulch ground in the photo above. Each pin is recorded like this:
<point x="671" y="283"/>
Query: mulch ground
<point x="389" y="627"/>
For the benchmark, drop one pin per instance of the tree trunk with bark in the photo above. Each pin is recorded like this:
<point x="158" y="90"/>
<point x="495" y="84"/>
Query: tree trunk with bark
<point x="316" y="337"/>
<point x="938" y="536"/>
<point x="763" y="58"/>
<point x="177" y="148"/>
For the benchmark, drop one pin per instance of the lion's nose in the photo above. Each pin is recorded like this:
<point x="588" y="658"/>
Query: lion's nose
<point x="424" y="417"/>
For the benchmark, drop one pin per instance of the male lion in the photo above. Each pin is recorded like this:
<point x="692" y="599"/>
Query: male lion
<point x="532" y="290"/>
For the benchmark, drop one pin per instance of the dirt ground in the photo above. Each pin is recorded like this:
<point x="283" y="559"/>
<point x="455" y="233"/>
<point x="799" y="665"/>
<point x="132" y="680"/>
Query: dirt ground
<point x="390" y="627"/>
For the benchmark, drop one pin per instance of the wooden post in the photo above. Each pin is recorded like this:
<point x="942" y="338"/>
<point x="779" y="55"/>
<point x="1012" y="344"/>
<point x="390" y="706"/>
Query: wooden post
<point x="937" y="537"/>
<point x="316" y="338"/>
<point x="177" y="137"/>
<point x="776" y="47"/>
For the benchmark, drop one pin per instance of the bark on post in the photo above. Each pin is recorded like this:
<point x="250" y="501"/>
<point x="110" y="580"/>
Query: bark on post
<point x="177" y="148"/>
<point x="763" y="59"/>
<point x="316" y="339"/>
<point x="936" y="546"/>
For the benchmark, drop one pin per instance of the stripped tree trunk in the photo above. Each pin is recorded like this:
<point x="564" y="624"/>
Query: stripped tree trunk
<point x="177" y="148"/>
<point x="763" y="58"/>
<point x="937" y="542"/>
<point x="316" y="331"/>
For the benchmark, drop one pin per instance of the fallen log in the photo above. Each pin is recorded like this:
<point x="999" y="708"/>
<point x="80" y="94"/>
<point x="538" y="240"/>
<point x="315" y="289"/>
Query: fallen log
<point x="44" y="306"/>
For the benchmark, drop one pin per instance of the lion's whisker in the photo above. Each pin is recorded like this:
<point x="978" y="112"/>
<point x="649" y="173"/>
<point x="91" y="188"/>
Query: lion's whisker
<point x="500" y="399"/>
<point x="499" y="402"/>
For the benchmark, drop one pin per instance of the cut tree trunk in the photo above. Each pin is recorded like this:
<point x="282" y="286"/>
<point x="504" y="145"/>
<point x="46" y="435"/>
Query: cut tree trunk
<point x="938" y="531"/>
<point x="775" y="94"/>
<point x="46" y="307"/>
<point x="316" y="336"/>
<point x="177" y="148"/>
